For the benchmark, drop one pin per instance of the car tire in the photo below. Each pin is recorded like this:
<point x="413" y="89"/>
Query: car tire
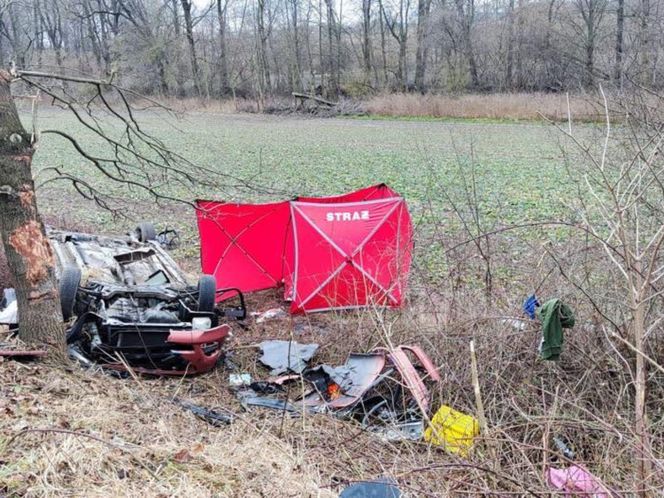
<point x="69" y="282"/>
<point x="145" y="232"/>
<point x="207" y="292"/>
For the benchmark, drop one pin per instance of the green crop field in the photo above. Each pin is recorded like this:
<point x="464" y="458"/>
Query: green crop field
<point x="517" y="169"/>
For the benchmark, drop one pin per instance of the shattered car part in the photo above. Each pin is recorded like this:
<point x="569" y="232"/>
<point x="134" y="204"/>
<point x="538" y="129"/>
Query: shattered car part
<point x="266" y="387"/>
<point x="271" y="314"/>
<point x="249" y="398"/>
<point x="380" y="488"/>
<point x="135" y="307"/>
<point x="8" y="308"/>
<point x="212" y="417"/>
<point x="286" y="356"/>
<point x="239" y="379"/>
<point x="355" y="378"/>
<point x="408" y="372"/>
<point x="405" y="431"/>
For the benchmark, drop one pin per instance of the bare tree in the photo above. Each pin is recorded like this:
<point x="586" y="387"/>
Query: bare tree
<point x="423" y="11"/>
<point x="397" y="22"/>
<point x="366" y="40"/>
<point x="222" y="19"/>
<point x="189" y="29"/>
<point x="592" y="13"/>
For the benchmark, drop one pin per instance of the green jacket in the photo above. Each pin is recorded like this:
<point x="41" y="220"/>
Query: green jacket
<point x="555" y="316"/>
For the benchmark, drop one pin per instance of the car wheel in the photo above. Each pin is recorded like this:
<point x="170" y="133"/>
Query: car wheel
<point x="145" y="231"/>
<point x="207" y="291"/>
<point x="69" y="282"/>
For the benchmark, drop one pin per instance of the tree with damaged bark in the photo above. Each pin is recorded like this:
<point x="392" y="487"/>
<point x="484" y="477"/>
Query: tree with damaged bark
<point x="28" y="251"/>
<point x="135" y="159"/>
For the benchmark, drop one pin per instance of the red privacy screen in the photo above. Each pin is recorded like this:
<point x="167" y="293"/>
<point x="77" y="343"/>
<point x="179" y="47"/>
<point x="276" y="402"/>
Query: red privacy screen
<point x="347" y="251"/>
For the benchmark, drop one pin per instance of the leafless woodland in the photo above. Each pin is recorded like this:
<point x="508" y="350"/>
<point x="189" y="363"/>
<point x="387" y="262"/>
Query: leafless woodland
<point x="258" y="48"/>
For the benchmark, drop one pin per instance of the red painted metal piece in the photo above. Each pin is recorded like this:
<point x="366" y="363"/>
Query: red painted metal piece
<point x="409" y="374"/>
<point x="425" y="361"/>
<point x="198" y="359"/>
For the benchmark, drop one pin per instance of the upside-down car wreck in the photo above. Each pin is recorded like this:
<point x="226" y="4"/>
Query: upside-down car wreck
<point x="129" y="304"/>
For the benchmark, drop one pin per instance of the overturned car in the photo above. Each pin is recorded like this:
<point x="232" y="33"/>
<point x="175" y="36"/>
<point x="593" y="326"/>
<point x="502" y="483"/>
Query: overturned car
<point x="131" y="304"/>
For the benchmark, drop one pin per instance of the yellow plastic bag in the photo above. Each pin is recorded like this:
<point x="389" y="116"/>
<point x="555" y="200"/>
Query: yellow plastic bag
<point x="453" y="430"/>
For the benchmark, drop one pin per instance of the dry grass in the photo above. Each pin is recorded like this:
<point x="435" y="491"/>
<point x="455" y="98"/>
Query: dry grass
<point x="513" y="106"/>
<point x="144" y="444"/>
<point x="526" y="106"/>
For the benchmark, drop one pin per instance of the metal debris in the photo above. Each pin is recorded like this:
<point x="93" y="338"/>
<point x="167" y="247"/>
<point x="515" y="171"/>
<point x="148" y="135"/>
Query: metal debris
<point x="286" y="356"/>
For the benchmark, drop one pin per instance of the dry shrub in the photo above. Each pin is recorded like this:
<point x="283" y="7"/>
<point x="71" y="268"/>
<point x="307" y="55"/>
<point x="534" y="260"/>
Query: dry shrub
<point x="529" y="106"/>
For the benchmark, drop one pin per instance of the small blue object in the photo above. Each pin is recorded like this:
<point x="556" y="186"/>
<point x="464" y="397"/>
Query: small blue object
<point x="382" y="487"/>
<point x="529" y="306"/>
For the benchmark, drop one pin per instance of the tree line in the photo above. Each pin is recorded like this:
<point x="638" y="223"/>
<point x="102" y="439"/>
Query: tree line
<point x="258" y="48"/>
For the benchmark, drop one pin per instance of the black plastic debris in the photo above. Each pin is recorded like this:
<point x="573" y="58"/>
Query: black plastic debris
<point x="263" y="387"/>
<point x="212" y="417"/>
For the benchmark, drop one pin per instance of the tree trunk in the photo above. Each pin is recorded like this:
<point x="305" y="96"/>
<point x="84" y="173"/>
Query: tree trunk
<point x="383" y="45"/>
<point x="423" y="9"/>
<point x="333" y="90"/>
<point x="296" y="81"/>
<point x="264" y="80"/>
<point x="509" y="65"/>
<point x="644" y="42"/>
<point x="189" y="28"/>
<point x="366" y="39"/>
<point x="620" y="25"/>
<point x="466" y="15"/>
<point x="29" y="255"/>
<point x="224" y="87"/>
<point x="590" y="52"/>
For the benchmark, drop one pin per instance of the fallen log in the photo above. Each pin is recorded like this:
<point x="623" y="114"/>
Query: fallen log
<point x="308" y="96"/>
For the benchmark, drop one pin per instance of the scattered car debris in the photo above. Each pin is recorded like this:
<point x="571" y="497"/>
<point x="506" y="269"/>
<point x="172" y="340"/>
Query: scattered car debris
<point x="239" y="380"/>
<point x="452" y="430"/>
<point x="286" y="356"/>
<point x="385" y="390"/>
<point x="380" y="488"/>
<point x="249" y="398"/>
<point x="406" y="431"/>
<point x="9" y="308"/>
<point x="352" y="381"/>
<point x="133" y="306"/>
<point x="212" y="417"/>
<point x="263" y="387"/>
<point x="271" y="314"/>
<point x="564" y="448"/>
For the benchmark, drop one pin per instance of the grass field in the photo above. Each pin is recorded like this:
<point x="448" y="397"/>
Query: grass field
<point x="517" y="169"/>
